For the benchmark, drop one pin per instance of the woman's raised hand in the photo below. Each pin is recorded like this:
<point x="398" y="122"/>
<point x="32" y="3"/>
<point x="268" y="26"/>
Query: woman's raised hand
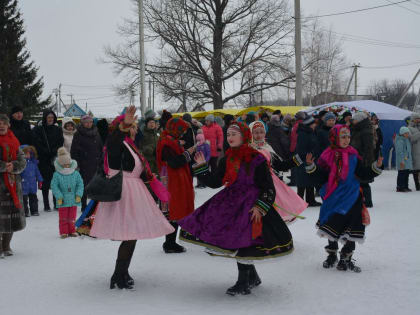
<point x="309" y="159"/>
<point x="129" y="115"/>
<point x="199" y="158"/>
<point x="380" y="161"/>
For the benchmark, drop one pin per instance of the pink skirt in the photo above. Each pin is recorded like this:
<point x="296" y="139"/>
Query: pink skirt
<point x="134" y="217"/>
<point x="288" y="203"/>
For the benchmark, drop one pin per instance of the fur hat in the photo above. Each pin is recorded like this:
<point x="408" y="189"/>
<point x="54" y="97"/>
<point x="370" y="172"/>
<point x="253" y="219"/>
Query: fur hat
<point x="328" y="116"/>
<point x="404" y="130"/>
<point x="31" y="149"/>
<point x="210" y="118"/>
<point x="359" y="116"/>
<point x="63" y="157"/>
<point x="415" y="116"/>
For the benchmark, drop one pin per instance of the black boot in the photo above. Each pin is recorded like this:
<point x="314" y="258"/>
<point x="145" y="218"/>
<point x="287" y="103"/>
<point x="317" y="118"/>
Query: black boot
<point x="416" y="175"/>
<point x="33" y="204"/>
<point x="26" y="205"/>
<point x="331" y="250"/>
<point x="170" y="246"/>
<point x="346" y="263"/>
<point x="254" y="279"/>
<point x="45" y="193"/>
<point x="242" y="285"/>
<point x="119" y="277"/>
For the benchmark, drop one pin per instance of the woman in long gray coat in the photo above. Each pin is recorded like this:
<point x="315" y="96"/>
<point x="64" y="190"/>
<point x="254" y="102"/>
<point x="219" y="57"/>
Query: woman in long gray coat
<point x="12" y="163"/>
<point x="414" y="128"/>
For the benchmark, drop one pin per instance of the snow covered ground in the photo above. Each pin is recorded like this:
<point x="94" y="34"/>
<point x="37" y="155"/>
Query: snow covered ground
<point x="49" y="275"/>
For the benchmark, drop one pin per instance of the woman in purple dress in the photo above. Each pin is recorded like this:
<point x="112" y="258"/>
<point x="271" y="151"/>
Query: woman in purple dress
<point x="238" y="222"/>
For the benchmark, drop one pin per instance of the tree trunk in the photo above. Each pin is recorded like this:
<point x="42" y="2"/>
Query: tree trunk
<point x="217" y="58"/>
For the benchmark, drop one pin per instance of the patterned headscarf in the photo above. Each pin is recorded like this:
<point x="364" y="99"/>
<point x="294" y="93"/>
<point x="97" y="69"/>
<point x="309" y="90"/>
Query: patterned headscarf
<point x="175" y="128"/>
<point x="336" y="159"/>
<point x="235" y="156"/>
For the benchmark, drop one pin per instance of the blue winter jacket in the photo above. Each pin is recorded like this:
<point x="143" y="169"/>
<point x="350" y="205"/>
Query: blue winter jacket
<point x="67" y="184"/>
<point x="31" y="176"/>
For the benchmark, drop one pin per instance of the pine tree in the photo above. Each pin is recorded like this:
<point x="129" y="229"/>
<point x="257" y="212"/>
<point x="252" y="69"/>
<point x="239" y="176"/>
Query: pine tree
<point x="19" y="84"/>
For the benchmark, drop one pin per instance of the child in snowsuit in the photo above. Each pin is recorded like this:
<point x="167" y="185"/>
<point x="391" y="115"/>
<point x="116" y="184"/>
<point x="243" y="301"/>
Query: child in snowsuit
<point x="404" y="159"/>
<point x="204" y="147"/>
<point x="67" y="188"/>
<point x="31" y="181"/>
<point x="343" y="215"/>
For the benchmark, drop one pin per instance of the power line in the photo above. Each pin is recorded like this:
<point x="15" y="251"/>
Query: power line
<point x="355" y="11"/>
<point x="368" y="40"/>
<point x="89" y="86"/>
<point x="416" y="62"/>
<point x="401" y="6"/>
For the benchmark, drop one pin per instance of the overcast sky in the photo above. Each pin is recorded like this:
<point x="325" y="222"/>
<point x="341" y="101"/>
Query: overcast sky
<point x="66" y="40"/>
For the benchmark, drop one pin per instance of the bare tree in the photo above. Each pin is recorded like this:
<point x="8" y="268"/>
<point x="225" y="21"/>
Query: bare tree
<point x="209" y="46"/>
<point x="325" y="62"/>
<point x="391" y="91"/>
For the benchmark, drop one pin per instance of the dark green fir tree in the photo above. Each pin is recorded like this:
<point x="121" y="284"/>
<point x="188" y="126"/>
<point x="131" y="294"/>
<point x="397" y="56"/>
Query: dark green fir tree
<point x="19" y="82"/>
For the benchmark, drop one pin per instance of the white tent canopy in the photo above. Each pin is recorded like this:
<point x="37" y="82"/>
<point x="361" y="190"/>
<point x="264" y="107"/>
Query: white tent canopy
<point x="382" y="110"/>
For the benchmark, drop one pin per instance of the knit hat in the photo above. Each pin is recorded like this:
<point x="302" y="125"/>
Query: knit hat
<point x="328" y="116"/>
<point x="404" y="130"/>
<point x="219" y="121"/>
<point x="210" y="118"/>
<point x="287" y="119"/>
<point x="149" y="114"/>
<point x="301" y="115"/>
<point x="359" y="116"/>
<point x="346" y="114"/>
<point x="200" y="138"/>
<point x="187" y="117"/>
<point x="16" y="109"/>
<point x="4" y="118"/>
<point x="63" y="157"/>
<point x="309" y="120"/>
<point x="86" y="118"/>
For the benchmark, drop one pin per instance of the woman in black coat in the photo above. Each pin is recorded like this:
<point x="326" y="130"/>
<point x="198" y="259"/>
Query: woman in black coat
<point x="20" y="127"/>
<point x="307" y="142"/>
<point x="47" y="138"/>
<point x="86" y="149"/>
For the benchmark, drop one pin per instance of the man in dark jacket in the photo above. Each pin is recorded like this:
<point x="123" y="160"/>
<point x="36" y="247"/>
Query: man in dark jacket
<point x="307" y="142"/>
<point x="47" y="138"/>
<point x="86" y="149"/>
<point x="278" y="138"/>
<point x="20" y="127"/>
<point x="362" y="139"/>
<point x="328" y="121"/>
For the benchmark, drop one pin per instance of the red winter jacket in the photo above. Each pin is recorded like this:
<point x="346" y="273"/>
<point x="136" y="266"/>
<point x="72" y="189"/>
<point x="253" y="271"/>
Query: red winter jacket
<point x="214" y="134"/>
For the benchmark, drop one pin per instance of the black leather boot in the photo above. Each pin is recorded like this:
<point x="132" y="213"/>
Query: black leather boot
<point x="254" y="279"/>
<point x="346" y="263"/>
<point x="242" y="285"/>
<point x="119" y="278"/>
<point x="170" y="246"/>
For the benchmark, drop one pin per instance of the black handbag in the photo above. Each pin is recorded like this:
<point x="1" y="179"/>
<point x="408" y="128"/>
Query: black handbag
<point x="104" y="188"/>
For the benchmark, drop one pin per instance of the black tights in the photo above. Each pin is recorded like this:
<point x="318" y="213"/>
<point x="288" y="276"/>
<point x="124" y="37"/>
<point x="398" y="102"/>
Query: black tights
<point x="348" y="248"/>
<point x="126" y="250"/>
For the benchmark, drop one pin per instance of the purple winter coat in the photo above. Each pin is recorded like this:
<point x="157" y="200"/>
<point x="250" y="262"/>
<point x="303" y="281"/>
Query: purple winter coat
<point x="205" y="148"/>
<point x="30" y="177"/>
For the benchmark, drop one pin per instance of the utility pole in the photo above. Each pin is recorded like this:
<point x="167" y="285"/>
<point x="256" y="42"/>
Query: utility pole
<point x="355" y="78"/>
<point x="298" y="56"/>
<point x="142" y="66"/>
<point x="348" y="86"/>
<point x="407" y="89"/>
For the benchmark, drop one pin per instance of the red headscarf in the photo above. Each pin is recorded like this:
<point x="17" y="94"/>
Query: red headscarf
<point x="175" y="128"/>
<point x="235" y="156"/>
<point x="10" y="146"/>
<point x="336" y="159"/>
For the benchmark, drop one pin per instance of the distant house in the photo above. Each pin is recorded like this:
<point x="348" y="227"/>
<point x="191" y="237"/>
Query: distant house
<point x="74" y="110"/>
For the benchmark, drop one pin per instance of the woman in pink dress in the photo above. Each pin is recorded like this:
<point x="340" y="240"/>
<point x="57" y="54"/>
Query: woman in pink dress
<point x="288" y="204"/>
<point x="135" y="216"/>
